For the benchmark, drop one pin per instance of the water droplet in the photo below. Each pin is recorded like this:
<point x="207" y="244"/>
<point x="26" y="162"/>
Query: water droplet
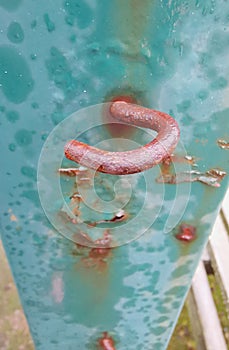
<point x="15" y="75"/>
<point x="44" y="136"/>
<point x="219" y="83"/>
<point x="202" y="94"/>
<point x="10" y="5"/>
<point x="82" y="13"/>
<point x="23" y="137"/>
<point x="49" y="24"/>
<point x="33" y="24"/>
<point x="15" y="33"/>
<point x="29" y="172"/>
<point x="35" y="105"/>
<point x="12" y="116"/>
<point x="33" y="56"/>
<point x="12" y="147"/>
<point x="184" y="106"/>
<point x="60" y="72"/>
<point x="73" y="38"/>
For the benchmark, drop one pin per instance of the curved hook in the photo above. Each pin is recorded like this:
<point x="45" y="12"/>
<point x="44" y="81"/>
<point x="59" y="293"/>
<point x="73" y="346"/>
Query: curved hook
<point x="137" y="160"/>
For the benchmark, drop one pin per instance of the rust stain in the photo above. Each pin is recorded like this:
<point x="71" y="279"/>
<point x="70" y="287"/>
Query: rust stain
<point x="106" y="342"/>
<point x="167" y="175"/>
<point x="223" y="144"/>
<point x="202" y="141"/>
<point x="131" y="21"/>
<point x="82" y="174"/>
<point x="211" y="177"/>
<point x="119" y="217"/>
<point x="176" y="158"/>
<point x="69" y="171"/>
<point x="75" y="204"/>
<point x="96" y="258"/>
<point x="13" y="218"/>
<point x="66" y="218"/>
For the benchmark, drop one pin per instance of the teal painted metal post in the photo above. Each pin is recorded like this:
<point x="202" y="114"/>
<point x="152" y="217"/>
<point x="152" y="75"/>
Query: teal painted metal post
<point x="57" y="57"/>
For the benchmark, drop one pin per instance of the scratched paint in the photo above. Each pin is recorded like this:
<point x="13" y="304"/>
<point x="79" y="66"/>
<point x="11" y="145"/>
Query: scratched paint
<point x="223" y="144"/>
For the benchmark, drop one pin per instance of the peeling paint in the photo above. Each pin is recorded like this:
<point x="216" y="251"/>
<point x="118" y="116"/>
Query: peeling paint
<point x="223" y="144"/>
<point x="106" y="342"/>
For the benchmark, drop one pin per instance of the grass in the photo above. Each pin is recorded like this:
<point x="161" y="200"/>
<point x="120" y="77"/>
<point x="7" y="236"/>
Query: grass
<point x="182" y="338"/>
<point x="14" y="331"/>
<point x="220" y="305"/>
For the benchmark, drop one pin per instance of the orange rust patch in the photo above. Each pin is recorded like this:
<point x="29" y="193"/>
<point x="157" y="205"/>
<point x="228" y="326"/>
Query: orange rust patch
<point x="186" y="233"/>
<point x="13" y="218"/>
<point x="106" y="342"/>
<point x="97" y="257"/>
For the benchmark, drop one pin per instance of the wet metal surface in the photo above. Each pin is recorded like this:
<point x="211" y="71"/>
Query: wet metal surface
<point x="58" y="57"/>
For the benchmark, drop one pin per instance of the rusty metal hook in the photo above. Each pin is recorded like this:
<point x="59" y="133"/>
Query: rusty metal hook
<point x="137" y="160"/>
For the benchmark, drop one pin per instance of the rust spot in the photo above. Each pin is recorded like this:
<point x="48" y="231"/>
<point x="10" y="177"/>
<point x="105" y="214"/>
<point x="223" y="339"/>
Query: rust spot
<point x="95" y="258"/>
<point x="76" y="197"/>
<point x="13" y="218"/>
<point x="106" y="342"/>
<point x="176" y="158"/>
<point x="212" y="177"/>
<point x="223" y="144"/>
<point x="186" y="233"/>
<point x="81" y="173"/>
<point x="218" y="173"/>
<point x="69" y="171"/>
<point x="75" y="203"/>
<point x="124" y="98"/>
<point x="105" y="241"/>
<point x="119" y="217"/>
<point x="99" y="253"/>
<point x="166" y="166"/>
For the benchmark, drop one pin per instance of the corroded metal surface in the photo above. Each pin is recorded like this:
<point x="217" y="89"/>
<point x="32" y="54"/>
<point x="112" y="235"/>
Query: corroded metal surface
<point x="57" y="57"/>
<point x="135" y="161"/>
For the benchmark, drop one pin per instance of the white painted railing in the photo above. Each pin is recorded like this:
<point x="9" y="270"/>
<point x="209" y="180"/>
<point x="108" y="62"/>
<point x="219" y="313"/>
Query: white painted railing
<point x="203" y="312"/>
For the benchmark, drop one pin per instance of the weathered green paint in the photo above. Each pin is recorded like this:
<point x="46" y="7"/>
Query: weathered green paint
<point x="74" y="54"/>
